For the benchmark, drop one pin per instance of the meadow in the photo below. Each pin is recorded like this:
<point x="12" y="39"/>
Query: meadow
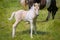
<point x="49" y="30"/>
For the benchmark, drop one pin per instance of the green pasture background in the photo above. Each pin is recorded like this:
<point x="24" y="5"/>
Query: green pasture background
<point x="49" y="30"/>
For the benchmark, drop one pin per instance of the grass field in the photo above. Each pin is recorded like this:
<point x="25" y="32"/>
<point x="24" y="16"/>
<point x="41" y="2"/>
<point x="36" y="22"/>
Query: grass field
<point x="45" y="30"/>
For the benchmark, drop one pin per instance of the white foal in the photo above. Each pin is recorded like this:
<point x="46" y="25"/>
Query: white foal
<point x="26" y="16"/>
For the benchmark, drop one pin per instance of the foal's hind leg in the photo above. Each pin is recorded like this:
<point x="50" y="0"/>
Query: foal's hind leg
<point x="14" y="28"/>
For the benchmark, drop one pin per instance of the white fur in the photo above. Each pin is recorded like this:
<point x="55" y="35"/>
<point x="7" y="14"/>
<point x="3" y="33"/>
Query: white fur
<point x="25" y="15"/>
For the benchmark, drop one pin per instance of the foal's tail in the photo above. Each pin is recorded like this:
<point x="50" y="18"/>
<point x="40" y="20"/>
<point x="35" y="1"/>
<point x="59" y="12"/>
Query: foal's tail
<point x="12" y="16"/>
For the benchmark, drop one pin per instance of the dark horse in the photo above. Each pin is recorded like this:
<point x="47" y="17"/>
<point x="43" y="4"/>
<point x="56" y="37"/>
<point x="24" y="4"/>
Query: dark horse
<point x="50" y="4"/>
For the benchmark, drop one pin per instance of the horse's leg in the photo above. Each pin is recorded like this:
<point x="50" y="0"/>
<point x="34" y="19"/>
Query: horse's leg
<point x="30" y="3"/>
<point x="23" y="3"/>
<point x="31" y="25"/>
<point x="25" y="6"/>
<point x="48" y="16"/>
<point x="54" y="12"/>
<point x="14" y="28"/>
<point x="54" y="8"/>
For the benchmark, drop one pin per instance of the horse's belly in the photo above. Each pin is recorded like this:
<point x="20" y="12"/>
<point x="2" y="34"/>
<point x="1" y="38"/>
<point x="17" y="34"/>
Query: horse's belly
<point x="47" y="4"/>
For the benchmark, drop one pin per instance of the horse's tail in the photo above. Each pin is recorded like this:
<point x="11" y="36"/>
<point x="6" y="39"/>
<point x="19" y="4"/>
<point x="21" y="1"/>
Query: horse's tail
<point x="12" y="16"/>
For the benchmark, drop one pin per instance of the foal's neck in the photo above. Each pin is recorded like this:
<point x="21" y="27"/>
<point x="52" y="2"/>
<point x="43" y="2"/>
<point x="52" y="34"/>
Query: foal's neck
<point x="32" y="8"/>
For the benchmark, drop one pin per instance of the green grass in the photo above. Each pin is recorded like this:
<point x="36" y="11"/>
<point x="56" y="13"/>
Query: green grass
<point x="45" y="30"/>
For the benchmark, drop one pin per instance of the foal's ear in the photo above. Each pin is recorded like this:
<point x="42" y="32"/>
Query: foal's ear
<point x="35" y="4"/>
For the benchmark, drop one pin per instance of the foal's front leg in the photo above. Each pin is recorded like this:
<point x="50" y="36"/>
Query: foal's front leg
<point x="31" y="25"/>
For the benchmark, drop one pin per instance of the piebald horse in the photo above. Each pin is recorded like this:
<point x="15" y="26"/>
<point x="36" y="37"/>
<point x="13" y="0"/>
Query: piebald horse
<point x="49" y="4"/>
<point x="29" y="16"/>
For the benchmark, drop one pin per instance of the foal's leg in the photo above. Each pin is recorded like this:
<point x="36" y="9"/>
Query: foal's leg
<point x="31" y="24"/>
<point x="14" y="28"/>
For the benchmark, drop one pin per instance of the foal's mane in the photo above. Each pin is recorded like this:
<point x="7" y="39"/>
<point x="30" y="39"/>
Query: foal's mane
<point x="32" y="7"/>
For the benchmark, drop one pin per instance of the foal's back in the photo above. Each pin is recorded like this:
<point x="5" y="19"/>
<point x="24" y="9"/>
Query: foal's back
<point x="20" y="14"/>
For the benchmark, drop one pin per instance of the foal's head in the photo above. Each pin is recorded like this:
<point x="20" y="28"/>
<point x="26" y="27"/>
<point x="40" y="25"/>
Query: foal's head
<point x="36" y="8"/>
